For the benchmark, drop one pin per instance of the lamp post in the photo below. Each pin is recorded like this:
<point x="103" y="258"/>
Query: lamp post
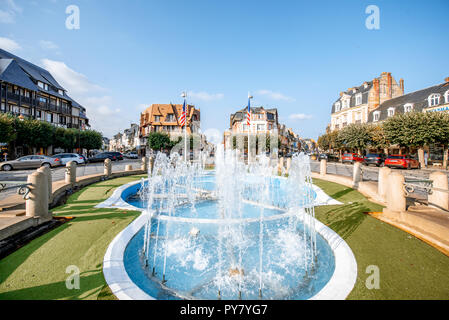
<point x="249" y="124"/>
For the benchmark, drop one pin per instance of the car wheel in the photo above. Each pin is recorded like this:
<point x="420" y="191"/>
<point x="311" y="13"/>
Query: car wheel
<point x="46" y="165"/>
<point x="7" y="167"/>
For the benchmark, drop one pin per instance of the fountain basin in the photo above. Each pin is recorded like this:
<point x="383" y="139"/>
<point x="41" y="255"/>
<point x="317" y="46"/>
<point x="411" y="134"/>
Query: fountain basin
<point x="333" y="278"/>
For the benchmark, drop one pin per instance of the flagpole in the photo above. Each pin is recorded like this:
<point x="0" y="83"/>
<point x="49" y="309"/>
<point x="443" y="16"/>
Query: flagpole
<point x="249" y="125"/>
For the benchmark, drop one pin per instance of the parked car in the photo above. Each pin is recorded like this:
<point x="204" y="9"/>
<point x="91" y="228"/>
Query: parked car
<point x="329" y="157"/>
<point x="100" y="157"/>
<point x="402" y="161"/>
<point x="30" y="162"/>
<point x="131" y="155"/>
<point x="351" y="158"/>
<point x="377" y="159"/>
<point x="84" y="158"/>
<point x="67" y="157"/>
<point x="116" y="156"/>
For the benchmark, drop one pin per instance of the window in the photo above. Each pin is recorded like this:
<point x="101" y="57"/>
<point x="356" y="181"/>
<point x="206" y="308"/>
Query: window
<point x="40" y="84"/>
<point x="61" y="92"/>
<point x="358" y="99"/>
<point x="446" y="96"/>
<point x="345" y="103"/>
<point x="408" y="107"/>
<point x="157" y="118"/>
<point x="337" y="107"/>
<point x="170" y="117"/>
<point x="260" y="127"/>
<point x="434" y="99"/>
<point x="376" y="116"/>
<point x="390" y="112"/>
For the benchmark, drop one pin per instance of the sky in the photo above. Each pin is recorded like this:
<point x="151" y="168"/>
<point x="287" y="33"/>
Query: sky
<point x="296" y="56"/>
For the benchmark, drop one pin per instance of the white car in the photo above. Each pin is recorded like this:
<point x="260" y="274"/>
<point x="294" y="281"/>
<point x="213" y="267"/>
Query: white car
<point x="67" y="157"/>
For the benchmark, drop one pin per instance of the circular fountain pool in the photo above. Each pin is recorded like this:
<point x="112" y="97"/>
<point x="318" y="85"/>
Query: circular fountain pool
<point x="215" y="236"/>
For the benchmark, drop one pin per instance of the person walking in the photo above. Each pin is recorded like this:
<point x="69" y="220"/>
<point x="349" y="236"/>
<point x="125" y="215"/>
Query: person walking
<point x="426" y="157"/>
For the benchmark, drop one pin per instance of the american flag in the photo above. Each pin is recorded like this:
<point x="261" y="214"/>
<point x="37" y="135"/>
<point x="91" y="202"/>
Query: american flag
<point x="182" y="121"/>
<point x="248" y="112"/>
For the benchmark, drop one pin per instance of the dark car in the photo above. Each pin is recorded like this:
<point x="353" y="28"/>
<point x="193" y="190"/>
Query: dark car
<point x="376" y="159"/>
<point x="329" y="157"/>
<point x="115" y="155"/>
<point x="402" y="161"/>
<point x="100" y="157"/>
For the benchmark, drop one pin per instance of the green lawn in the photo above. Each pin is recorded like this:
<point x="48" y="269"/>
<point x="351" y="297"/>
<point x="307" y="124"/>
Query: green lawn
<point x="409" y="268"/>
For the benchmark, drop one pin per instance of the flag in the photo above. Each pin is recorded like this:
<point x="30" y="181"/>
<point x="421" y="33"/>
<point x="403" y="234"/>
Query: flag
<point x="182" y="121"/>
<point x="248" y="113"/>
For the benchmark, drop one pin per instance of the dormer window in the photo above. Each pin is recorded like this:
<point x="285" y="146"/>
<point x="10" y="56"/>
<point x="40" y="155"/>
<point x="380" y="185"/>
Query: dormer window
<point x="61" y="92"/>
<point x="345" y="103"/>
<point x="170" y="117"/>
<point x="390" y="112"/>
<point x="446" y="96"/>
<point x="376" y="116"/>
<point x="337" y="107"/>
<point x="40" y="84"/>
<point x="408" y="107"/>
<point x="434" y="99"/>
<point x="358" y="99"/>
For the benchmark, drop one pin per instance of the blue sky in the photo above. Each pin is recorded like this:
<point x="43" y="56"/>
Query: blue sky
<point x="293" y="55"/>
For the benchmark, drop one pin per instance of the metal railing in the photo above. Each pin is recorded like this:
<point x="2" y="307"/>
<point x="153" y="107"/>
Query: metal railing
<point x="22" y="188"/>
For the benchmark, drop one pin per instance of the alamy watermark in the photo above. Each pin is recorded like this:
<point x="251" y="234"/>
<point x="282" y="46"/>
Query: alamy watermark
<point x="73" y="280"/>
<point x="72" y="22"/>
<point x="373" y="280"/>
<point x="372" y="22"/>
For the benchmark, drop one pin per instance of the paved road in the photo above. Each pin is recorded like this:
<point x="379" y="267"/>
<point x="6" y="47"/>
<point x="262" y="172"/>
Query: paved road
<point x="59" y="173"/>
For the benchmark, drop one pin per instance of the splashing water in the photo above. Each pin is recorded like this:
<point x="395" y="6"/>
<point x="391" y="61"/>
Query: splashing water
<point x="242" y="232"/>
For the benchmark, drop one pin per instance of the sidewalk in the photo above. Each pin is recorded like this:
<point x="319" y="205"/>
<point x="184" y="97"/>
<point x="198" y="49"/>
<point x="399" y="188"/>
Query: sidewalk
<point x="425" y="223"/>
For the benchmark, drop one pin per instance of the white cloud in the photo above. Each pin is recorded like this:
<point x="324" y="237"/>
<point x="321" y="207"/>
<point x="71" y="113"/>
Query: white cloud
<point x="9" y="11"/>
<point x="76" y="83"/>
<point x="205" y="96"/>
<point x="9" y="45"/>
<point x="300" y="116"/>
<point x="48" y="45"/>
<point x="103" y="115"/>
<point x="275" y="95"/>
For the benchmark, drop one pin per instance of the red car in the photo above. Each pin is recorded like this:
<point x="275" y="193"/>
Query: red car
<point x="402" y="161"/>
<point x="351" y="158"/>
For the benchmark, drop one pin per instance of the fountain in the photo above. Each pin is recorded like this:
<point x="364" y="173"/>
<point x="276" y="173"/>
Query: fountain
<point x="241" y="232"/>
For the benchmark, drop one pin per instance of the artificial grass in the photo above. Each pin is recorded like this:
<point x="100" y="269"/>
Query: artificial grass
<point x="38" y="270"/>
<point x="409" y="268"/>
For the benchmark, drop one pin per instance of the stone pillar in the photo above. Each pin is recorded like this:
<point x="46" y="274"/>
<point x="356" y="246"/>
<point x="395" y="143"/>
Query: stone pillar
<point x="47" y="173"/>
<point x="129" y="167"/>
<point x="70" y="173"/>
<point x="288" y="165"/>
<point x="356" y="174"/>
<point x="144" y="166"/>
<point x="37" y="203"/>
<point x="439" y="199"/>
<point x="395" y="192"/>
<point x="280" y="165"/>
<point x="107" y="167"/>
<point x="323" y="167"/>
<point x="421" y="157"/>
<point x="382" y="185"/>
<point x="151" y="164"/>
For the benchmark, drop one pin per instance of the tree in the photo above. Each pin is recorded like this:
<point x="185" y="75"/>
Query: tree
<point x="90" y="139"/>
<point x="378" y="137"/>
<point x="7" y="133"/>
<point x="354" y="136"/>
<point x="159" y="141"/>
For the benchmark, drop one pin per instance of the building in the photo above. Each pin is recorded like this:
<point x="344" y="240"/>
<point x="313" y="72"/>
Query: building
<point x="355" y="104"/>
<point x="432" y="99"/>
<point x="166" y="118"/>
<point x="262" y="120"/>
<point x="30" y="91"/>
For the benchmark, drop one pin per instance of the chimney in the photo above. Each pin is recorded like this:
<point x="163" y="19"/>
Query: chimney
<point x="401" y="85"/>
<point x="341" y="94"/>
<point x="376" y="95"/>
<point x="389" y="84"/>
<point x="446" y="79"/>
